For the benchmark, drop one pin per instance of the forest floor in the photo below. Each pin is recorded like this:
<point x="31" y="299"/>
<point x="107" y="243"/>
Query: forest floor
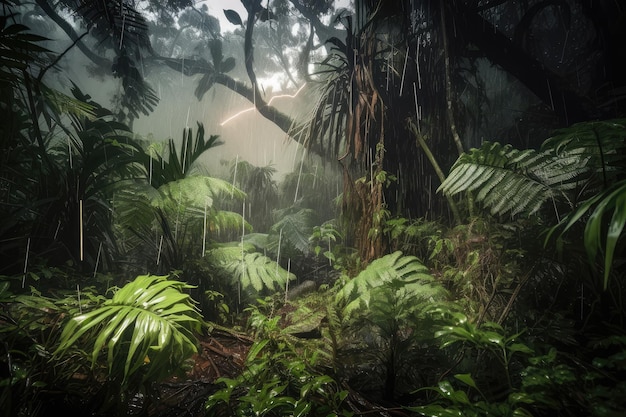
<point x="221" y="354"/>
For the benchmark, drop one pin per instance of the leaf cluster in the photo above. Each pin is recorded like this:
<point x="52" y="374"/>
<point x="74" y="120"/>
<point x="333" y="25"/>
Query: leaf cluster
<point x="147" y="328"/>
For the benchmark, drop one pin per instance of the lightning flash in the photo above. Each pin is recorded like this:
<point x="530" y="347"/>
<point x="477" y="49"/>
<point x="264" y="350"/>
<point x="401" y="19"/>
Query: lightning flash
<point x="294" y="95"/>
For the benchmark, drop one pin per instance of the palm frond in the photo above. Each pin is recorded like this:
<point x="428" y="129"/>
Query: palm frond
<point x="405" y="273"/>
<point x="18" y="50"/>
<point x="176" y="165"/>
<point x="227" y="222"/>
<point x="148" y="325"/>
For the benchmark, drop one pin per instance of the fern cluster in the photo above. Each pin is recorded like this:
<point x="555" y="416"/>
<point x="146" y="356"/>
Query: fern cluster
<point x="506" y="180"/>
<point x="404" y="274"/>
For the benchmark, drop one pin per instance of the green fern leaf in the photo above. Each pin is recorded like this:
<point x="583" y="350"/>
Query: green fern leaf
<point x="506" y="180"/>
<point x="407" y="272"/>
<point x="294" y="228"/>
<point x="258" y="272"/>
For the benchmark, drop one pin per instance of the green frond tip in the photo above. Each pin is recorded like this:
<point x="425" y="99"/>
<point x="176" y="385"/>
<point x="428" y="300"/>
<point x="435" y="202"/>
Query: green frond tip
<point x="148" y="325"/>
<point x="405" y="275"/>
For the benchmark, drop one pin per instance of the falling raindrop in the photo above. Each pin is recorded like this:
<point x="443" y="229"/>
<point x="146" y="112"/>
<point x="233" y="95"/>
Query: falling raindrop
<point x="80" y="216"/>
<point x="406" y="58"/>
<point x="123" y="24"/>
<point x="287" y="280"/>
<point x="387" y="72"/>
<point x="295" y="153"/>
<point x="430" y="192"/>
<point x="80" y="306"/>
<point x="180" y="197"/>
<point x="56" y="232"/>
<point x="159" y="252"/>
<point x="330" y="260"/>
<point x="565" y="109"/>
<point x="243" y="269"/>
<point x="234" y="176"/>
<point x="564" y="46"/>
<point x="95" y="269"/>
<point x="26" y="262"/>
<point x="550" y="92"/>
<point x="295" y="197"/>
<point x="417" y="110"/>
<point x="314" y="178"/>
<point x="371" y="163"/>
<point x="280" y="238"/>
<point x="206" y="203"/>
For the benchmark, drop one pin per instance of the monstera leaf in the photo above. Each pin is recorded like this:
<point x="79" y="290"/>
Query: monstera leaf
<point x="147" y="326"/>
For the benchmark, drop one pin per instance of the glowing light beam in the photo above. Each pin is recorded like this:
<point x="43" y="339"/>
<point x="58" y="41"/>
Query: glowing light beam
<point x="234" y="116"/>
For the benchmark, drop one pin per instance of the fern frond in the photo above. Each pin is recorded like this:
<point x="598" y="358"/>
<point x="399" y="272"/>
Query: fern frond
<point x="295" y="228"/>
<point x="507" y="180"/>
<point x="502" y="178"/>
<point x="600" y="144"/>
<point x="257" y="271"/>
<point x="406" y="273"/>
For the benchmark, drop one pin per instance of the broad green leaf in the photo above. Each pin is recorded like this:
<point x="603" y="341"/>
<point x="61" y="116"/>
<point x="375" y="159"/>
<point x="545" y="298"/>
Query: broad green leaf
<point x="466" y="379"/>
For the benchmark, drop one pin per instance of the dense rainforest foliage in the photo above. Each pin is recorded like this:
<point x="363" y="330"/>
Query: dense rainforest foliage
<point x="471" y="262"/>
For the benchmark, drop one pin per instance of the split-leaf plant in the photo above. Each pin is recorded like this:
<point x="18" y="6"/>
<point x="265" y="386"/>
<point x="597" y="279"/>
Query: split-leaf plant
<point x="144" y="333"/>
